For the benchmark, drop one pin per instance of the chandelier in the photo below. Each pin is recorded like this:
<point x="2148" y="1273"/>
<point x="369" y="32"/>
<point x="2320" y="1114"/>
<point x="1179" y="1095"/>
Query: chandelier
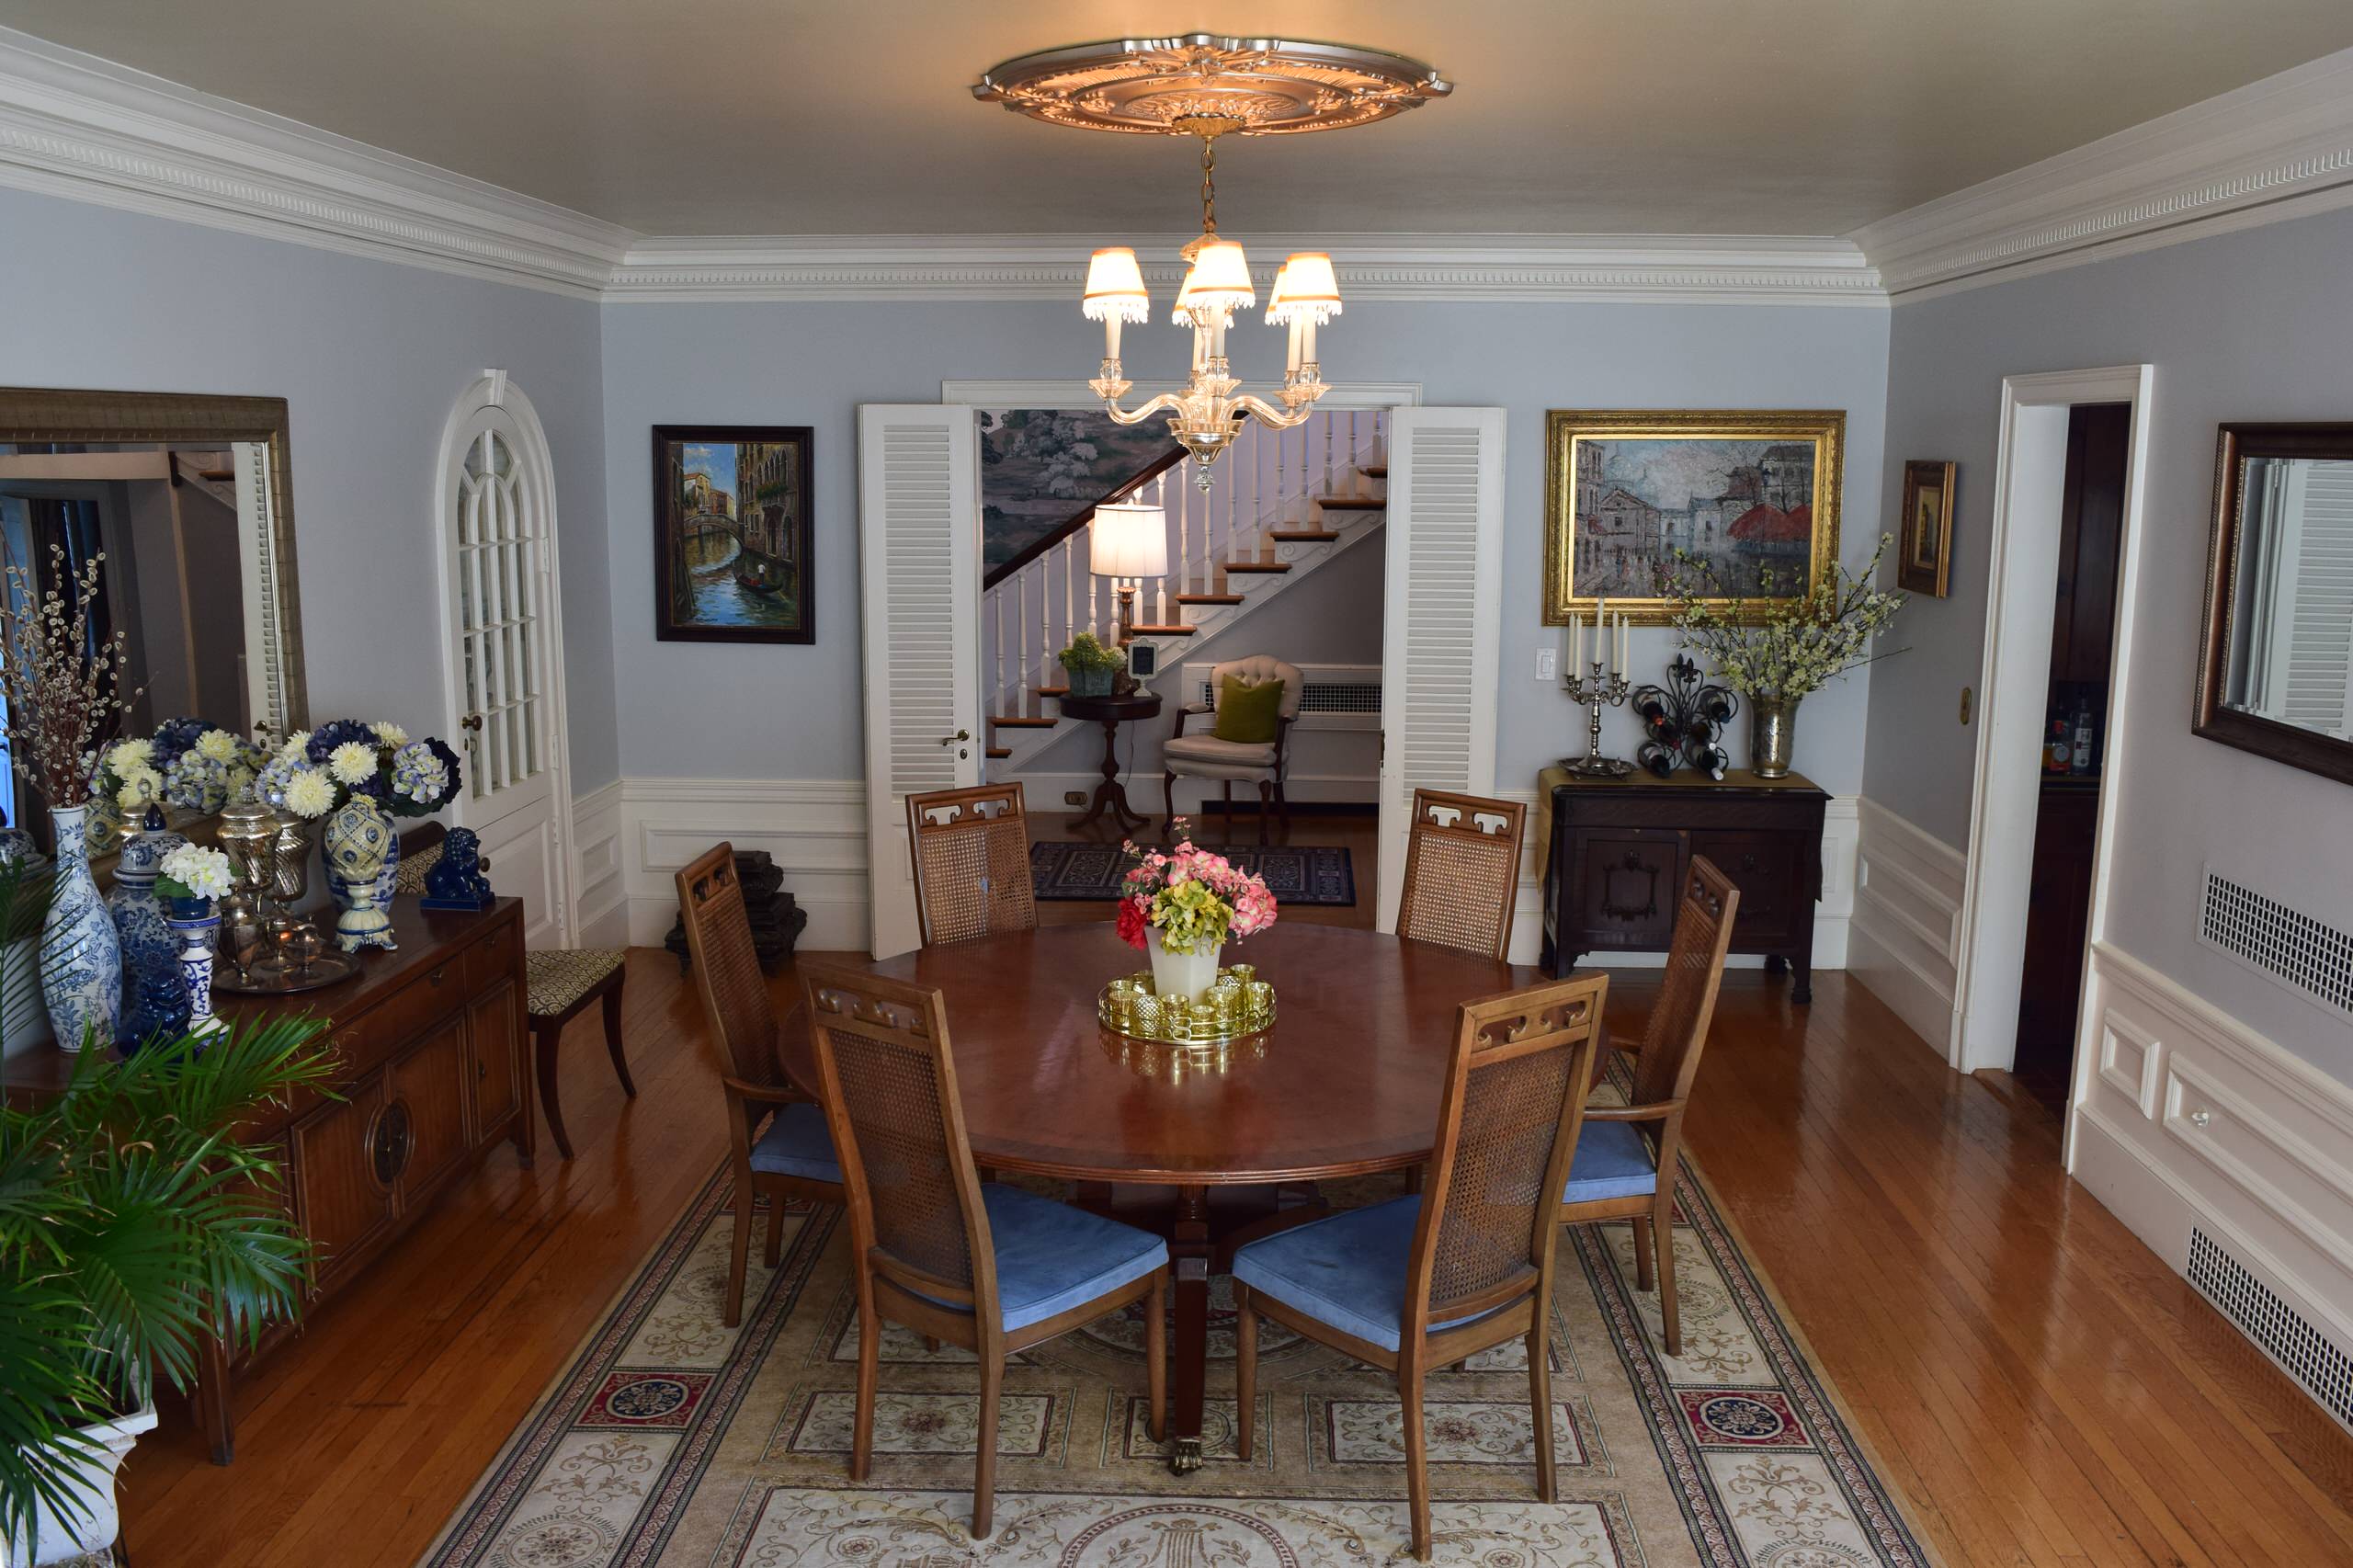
<point x="1205" y="86"/>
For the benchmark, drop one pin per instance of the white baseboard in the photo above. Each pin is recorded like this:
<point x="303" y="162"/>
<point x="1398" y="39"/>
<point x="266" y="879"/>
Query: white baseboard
<point x="1904" y="939"/>
<point x="2183" y="1115"/>
<point x="815" y="829"/>
<point x="596" y="867"/>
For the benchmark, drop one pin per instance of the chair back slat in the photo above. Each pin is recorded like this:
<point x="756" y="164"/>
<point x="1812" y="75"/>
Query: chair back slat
<point x="1508" y="1124"/>
<point x="1461" y="871"/>
<point x="889" y="1094"/>
<point x="726" y="968"/>
<point x="1687" y="1002"/>
<point x="972" y="854"/>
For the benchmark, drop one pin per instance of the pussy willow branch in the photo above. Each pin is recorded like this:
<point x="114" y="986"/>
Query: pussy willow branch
<point x="61" y="693"/>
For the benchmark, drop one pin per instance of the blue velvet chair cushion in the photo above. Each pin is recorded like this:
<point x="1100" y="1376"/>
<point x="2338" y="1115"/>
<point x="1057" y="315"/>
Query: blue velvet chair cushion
<point x="1611" y="1161"/>
<point x="1051" y="1258"/>
<point x="797" y="1144"/>
<point x="1347" y="1269"/>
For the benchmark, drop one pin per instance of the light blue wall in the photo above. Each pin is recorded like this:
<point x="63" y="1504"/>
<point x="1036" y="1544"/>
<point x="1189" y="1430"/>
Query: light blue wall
<point x="370" y="356"/>
<point x="795" y="712"/>
<point x="2256" y="326"/>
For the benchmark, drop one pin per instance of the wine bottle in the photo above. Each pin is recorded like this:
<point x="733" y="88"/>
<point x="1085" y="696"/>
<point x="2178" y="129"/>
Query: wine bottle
<point x="1709" y="759"/>
<point x="1658" y="758"/>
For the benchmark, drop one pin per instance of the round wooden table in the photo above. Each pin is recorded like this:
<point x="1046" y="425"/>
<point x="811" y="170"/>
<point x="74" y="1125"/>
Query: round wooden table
<point x="1112" y="712"/>
<point x="1176" y="1138"/>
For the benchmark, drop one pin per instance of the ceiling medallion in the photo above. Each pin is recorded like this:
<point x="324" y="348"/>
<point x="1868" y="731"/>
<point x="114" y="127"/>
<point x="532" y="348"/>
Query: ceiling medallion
<point x="1207" y="86"/>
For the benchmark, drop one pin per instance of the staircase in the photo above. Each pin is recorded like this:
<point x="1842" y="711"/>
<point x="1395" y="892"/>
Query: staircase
<point x="1283" y="502"/>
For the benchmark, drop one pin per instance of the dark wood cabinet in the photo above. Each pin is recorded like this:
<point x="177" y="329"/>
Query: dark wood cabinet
<point x="2091" y="532"/>
<point x="2058" y="920"/>
<point x="1615" y="854"/>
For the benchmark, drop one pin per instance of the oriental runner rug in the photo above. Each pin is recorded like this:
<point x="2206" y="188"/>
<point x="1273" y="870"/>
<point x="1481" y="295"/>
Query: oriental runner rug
<point x="1306" y="874"/>
<point x="673" y="1440"/>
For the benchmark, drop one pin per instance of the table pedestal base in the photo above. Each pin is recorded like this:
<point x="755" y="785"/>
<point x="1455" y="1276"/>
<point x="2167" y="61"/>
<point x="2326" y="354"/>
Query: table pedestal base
<point x="1111" y="795"/>
<point x="1204" y="1226"/>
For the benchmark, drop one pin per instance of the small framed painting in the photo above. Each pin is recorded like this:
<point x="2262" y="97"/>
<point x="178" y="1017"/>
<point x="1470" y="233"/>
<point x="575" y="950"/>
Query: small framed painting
<point x="732" y="534"/>
<point x="1741" y="505"/>
<point x="1925" y="551"/>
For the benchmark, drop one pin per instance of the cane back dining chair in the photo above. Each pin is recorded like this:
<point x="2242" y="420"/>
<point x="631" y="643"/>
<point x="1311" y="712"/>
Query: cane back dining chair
<point x="792" y="1158"/>
<point x="1427" y="1279"/>
<point x="990" y="1267"/>
<point x="1461" y="871"/>
<point x="972" y="854"/>
<point x="1625" y="1161"/>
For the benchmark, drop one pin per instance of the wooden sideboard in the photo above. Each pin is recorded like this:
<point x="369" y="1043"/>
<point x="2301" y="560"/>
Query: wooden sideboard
<point x="1614" y="855"/>
<point x="430" y="1040"/>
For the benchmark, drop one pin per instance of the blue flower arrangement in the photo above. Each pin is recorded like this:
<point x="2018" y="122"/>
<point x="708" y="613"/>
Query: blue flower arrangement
<point x="314" y="774"/>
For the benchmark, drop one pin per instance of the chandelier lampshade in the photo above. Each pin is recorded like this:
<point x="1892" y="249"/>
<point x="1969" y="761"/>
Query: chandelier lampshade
<point x="1115" y="287"/>
<point x="1217" y="284"/>
<point x="1305" y="290"/>
<point x="1128" y="539"/>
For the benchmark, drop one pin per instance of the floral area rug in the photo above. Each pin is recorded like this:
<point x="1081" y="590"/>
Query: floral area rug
<point x="674" y="1440"/>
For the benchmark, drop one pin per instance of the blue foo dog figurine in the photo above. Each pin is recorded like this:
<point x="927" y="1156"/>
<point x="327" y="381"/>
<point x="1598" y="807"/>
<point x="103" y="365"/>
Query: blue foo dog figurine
<point x="456" y="881"/>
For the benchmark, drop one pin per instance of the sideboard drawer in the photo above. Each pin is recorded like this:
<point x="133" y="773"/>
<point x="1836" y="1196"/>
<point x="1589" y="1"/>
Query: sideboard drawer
<point x="492" y="960"/>
<point x="428" y="997"/>
<point x="1763" y="867"/>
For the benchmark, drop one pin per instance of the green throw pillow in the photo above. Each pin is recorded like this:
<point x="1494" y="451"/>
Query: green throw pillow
<point x="1250" y="714"/>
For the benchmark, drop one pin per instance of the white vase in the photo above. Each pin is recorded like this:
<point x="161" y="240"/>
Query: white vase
<point x="1186" y="973"/>
<point x="92" y="1481"/>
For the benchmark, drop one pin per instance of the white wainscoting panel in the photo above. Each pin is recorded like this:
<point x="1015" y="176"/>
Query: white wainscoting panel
<point x="1904" y="941"/>
<point x="2183" y="1115"/>
<point x="596" y="867"/>
<point x="1832" y="916"/>
<point x="815" y="828"/>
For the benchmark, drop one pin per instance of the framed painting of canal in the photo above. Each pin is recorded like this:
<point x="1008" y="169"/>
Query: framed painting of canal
<point x="732" y="534"/>
<point x="1741" y="506"/>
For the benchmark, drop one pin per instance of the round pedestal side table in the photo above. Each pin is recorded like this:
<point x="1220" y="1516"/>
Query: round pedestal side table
<point x="1112" y="712"/>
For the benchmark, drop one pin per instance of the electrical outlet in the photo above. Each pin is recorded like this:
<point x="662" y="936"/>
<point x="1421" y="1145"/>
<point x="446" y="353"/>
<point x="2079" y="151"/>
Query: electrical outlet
<point x="1547" y="662"/>
<point x="1073" y="797"/>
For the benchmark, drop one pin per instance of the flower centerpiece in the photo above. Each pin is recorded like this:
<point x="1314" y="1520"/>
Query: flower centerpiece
<point x="187" y="763"/>
<point x="192" y="877"/>
<point x="1090" y="666"/>
<point x="358" y="776"/>
<point x="1183" y="905"/>
<point x="62" y="685"/>
<point x="1811" y="638"/>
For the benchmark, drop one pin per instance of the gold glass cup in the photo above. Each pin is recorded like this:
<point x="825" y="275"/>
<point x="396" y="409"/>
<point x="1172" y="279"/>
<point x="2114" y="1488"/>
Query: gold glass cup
<point x="1242" y="974"/>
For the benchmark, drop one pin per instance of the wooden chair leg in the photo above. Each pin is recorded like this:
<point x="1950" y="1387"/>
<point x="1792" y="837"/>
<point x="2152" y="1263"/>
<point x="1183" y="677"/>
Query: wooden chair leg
<point x="1155" y="1355"/>
<point x="869" y="1361"/>
<point x="773" y="1253"/>
<point x="1540" y="1393"/>
<point x="1168" y="804"/>
<point x="1663" y="1228"/>
<point x="612" y="1002"/>
<point x="984" y="1469"/>
<point x="1642" y="1253"/>
<point x="1417" y="1459"/>
<point x="1245" y="1369"/>
<point x="739" y="1258"/>
<point x="1282" y="804"/>
<point x="1229" y="810"/>
<point x="1266" y="807"/>
<point x="547" y="1038"/>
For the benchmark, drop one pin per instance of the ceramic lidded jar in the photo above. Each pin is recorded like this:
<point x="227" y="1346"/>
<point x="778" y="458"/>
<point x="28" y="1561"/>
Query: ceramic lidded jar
<point x="153" y="997"/>
<point x="358" y="836"/>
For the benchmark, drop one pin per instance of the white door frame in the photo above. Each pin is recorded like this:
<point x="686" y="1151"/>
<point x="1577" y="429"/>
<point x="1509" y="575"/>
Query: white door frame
<point x="493" y="390"/>
<point x="2028" y="479"/>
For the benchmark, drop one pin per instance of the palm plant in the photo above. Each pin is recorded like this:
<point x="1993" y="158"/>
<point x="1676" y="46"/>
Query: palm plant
<point x="135" y="1222"/>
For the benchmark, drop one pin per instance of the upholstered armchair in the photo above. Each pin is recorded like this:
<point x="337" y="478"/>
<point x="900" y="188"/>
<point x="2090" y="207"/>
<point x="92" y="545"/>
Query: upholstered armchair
<point x="1201" y="755"/>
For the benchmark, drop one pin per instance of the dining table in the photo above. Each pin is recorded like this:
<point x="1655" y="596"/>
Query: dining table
<point x="1210" y="1145"/>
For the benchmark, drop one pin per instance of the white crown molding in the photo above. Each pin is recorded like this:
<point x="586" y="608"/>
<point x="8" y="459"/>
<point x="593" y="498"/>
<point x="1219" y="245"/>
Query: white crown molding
<point x="2276" y="149"/>
<point x="76" y="126"/>
<point x="1482" y="268"/>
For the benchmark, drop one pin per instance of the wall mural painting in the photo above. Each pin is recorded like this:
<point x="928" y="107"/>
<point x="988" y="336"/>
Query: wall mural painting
<point x="732" y="533"/>
<point x="1042" y="467"/>
<point x="1743" y="504"/>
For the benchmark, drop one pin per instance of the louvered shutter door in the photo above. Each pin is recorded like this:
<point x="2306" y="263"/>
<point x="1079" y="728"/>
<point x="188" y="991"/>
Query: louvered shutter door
<point x="1441" y="625"/>
<point x="2317" y="690"/>
<point x="920" y="572"/>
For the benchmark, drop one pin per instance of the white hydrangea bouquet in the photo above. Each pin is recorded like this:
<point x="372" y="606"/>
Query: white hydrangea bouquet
<point x="188" y="762"/>
<point x="314" y="772"/>
<point x="194" y="871"/>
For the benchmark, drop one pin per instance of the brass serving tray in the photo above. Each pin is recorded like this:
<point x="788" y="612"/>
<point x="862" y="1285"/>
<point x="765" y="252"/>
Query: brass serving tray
<point x="1237" y="1006"/>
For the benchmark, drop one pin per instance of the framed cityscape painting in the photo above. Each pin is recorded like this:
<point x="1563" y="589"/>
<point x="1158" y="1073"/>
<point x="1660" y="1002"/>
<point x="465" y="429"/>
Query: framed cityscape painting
<point x="732" y="534"/>
<point x="1924" y="560"/>
<point x="1743" y="504"/>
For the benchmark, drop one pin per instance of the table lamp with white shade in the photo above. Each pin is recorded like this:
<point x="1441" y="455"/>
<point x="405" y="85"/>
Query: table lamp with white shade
<point x="1128" y="540"/>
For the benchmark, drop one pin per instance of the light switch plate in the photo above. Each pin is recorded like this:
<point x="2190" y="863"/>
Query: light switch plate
<point x="1547" y="661"/>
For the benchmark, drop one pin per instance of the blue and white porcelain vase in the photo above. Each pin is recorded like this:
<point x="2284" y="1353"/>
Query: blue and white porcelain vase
<point x="153" y="997"/>
<point x="81" y="958"/>
<point x="387" y="879"/>
<point x="358" y="836"/>
<point x="194" y="921"/>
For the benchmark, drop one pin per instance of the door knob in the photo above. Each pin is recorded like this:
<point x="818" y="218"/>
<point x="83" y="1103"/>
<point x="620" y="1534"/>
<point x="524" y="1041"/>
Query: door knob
<point x="470" y="721"/>
<point x="958" y="735"/>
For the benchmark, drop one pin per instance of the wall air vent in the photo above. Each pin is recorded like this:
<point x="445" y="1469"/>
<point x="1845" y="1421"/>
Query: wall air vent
<point x="2293" y="948"/>
<point x="2278" y="1330"/>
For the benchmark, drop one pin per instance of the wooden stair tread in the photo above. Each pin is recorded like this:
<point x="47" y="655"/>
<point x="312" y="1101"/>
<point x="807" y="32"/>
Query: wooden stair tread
<point x="1000" y="752"/>
<point x="1165" y="630"/>
<point x="1208" y="598"/>
<point x="1303" y="535"/>
<point x="1023" y="722"/>
<point x="1373" y="470"/>
<point x="1052" y="691"/>
<point x="1352" y="503"/>
<point x="1233" y="566"/>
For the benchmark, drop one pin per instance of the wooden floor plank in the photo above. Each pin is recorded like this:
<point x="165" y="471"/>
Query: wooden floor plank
<point x="2041" y="1387"/>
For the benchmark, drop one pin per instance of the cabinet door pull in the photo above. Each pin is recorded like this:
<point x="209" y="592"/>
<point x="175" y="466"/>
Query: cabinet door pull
<point x="434" y="978"/>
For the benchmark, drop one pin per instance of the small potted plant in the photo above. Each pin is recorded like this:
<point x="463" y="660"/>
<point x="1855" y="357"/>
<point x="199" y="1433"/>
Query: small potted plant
<point x="1090" y="666"/>
<point x="1183" y="906"/>
<point x="1805" y="641"/>
<point x="137" y="1223"/>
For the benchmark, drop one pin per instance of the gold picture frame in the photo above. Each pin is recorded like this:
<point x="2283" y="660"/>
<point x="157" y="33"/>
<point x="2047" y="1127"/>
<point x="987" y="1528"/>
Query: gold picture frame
<point x="1773" y="506"/>
<point x="1924" y="542"/>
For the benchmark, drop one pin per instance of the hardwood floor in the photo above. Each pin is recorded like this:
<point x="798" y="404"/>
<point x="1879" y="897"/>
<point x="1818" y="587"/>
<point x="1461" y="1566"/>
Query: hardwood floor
<point x="2037" y="1385"/>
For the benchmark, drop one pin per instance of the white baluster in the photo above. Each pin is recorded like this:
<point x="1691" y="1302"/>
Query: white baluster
<point x="1356" y="458"/>
<point x="1280" y="502"/>
<point x="996" y="641"/>
<point x="1160" y="584"/>
<point x="1094" y="590"/>
<point x="1329" y="420"/>
<point x="1211" y="576"/>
